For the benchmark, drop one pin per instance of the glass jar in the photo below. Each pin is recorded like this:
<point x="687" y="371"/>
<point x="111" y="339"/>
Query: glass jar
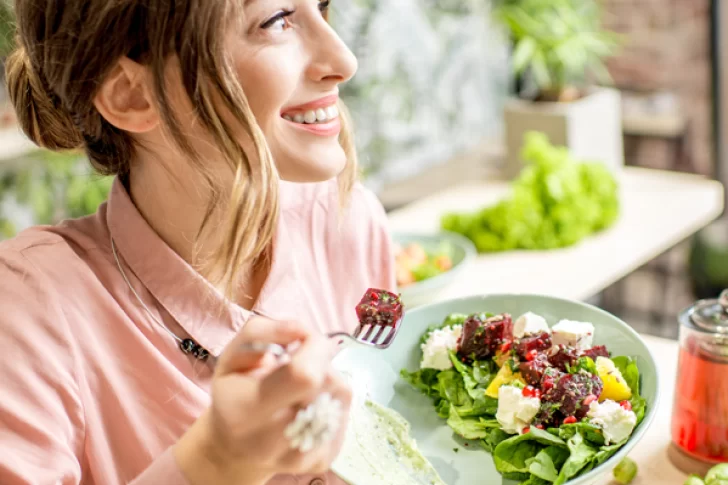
<point x="700" y="412"/>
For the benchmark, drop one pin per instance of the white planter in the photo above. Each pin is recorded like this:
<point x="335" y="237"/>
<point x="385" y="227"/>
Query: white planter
<point x="591" y="128"/>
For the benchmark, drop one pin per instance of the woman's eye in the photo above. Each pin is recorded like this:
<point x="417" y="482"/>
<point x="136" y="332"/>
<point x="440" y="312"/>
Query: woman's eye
<point x="279" y="22"/>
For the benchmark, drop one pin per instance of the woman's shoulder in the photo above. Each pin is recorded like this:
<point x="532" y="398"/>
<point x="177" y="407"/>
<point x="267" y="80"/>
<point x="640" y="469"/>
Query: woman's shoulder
<point x="32" y="319"/>
<point x="46" y="259"/>
<point x="46" y="274"/>
<point x="79" y="235"/>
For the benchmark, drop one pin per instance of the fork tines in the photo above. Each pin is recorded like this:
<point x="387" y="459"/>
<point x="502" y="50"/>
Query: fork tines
<point x="366" y="331"/>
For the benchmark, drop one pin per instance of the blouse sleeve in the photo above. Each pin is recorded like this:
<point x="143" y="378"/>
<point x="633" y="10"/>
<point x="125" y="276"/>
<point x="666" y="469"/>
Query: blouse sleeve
<point x="41" y="415"/>
<point x="42" y="426"/>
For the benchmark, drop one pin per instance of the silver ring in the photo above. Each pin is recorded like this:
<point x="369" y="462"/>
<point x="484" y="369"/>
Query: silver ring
<point x="315" y="425"/>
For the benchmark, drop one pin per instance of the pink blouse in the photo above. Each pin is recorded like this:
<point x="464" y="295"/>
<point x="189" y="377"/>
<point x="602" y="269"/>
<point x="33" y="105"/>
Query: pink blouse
<point x="93" y="391"/>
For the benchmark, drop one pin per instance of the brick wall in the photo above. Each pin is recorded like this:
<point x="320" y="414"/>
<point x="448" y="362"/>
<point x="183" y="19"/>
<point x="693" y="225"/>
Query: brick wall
<point x="667" y="49"/>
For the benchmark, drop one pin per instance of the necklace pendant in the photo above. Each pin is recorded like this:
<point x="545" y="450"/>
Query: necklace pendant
<point x="188" y="346"/>
<point x="200" y="354"/>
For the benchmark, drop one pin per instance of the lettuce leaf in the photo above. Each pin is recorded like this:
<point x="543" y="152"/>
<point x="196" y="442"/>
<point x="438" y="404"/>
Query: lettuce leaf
<point x="606" y="452"/>
<point x="494" y="438"/>
<point x="471" y="428"/>
<point x="590" y="432"/>
<point x="514" y="456"/>
<point x="477" y="376"/>
<point x="424" y="380"/>
<point x="548" y="462"/>
<point x="534" y="480"/>
<point x="467" y="403"/>
<point x="581" y="455"/>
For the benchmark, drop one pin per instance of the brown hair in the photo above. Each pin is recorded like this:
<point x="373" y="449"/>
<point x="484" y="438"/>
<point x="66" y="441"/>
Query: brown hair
<point x="66" y="47"/>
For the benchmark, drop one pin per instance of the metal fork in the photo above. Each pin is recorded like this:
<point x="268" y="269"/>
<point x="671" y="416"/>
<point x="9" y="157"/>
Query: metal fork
<point x="370" y="335"/>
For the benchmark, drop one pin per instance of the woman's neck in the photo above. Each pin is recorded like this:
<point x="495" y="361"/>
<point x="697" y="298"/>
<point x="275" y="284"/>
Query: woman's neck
<point x="175" y="206"/>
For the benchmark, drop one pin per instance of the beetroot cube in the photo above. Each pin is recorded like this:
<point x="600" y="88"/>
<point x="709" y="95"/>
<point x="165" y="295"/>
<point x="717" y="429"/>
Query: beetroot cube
<point x="379" y="307"/>
<point x="571" y="390"/>
<point x="539" y="343"/>
<point x="563" y="357"/>
<point x="533" y="371"/>
<point x="481" y="339"/>
<point x="594" y="352"/>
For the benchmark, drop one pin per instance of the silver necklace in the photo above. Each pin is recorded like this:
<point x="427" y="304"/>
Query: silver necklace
<point x="188" y="346"/>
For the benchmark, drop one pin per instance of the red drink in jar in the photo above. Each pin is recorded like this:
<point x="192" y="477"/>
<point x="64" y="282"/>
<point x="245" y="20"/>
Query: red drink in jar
<point x="700" y="412"/>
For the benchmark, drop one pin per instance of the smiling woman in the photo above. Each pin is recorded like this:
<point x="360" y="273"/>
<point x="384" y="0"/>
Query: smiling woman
<point x="235" y="196"/>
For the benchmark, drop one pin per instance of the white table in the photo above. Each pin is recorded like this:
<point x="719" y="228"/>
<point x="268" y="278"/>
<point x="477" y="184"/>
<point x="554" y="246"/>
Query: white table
<point x="660" y="209"/>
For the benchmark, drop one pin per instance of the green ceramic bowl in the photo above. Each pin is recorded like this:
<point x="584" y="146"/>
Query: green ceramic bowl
<point x="461" y="251"/>
<point x="379" y="371"/>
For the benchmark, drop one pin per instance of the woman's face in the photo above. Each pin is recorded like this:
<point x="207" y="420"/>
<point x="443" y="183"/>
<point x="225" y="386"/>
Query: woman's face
<point x="290" y="63"/>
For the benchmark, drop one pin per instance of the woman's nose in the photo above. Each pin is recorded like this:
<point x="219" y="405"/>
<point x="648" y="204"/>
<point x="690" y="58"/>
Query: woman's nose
<point x="331" y="59"/>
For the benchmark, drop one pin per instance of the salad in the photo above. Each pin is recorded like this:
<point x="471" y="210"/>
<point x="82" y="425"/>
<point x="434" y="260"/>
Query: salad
<point x="414" y="263"/>
<point x="545" y="401"/>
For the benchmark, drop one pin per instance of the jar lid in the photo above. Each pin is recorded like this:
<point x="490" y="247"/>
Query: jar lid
<point x="711" y="315"/>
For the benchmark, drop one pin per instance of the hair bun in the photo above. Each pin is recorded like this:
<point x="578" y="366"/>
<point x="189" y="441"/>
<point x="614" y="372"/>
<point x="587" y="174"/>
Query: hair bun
<point x="40" y="115"/>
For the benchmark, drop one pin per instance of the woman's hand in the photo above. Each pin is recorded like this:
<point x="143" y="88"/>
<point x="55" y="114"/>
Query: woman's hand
<point x="240" y="439"/>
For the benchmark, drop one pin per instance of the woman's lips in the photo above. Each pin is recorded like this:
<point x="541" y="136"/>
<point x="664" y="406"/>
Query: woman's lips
<point x="324" y="103"/>
<point x="328" y="128"/>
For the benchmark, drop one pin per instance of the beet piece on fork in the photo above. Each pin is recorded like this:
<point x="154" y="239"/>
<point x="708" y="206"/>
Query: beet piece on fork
<point x="378" y="311"/>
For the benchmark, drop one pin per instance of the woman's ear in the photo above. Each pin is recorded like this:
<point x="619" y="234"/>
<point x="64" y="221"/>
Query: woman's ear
<point x="126" y="98"/>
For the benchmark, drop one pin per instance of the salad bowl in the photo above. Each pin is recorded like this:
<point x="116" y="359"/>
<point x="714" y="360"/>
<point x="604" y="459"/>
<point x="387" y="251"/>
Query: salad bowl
<point x="421" y="279"/>
<point x="382" y="375"/>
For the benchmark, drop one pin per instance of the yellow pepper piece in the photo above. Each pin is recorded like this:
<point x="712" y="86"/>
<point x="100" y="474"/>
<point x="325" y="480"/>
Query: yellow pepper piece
<point x="615" y="387"/>
<point x="501" y="358"/>
<point x="503" y="377"/>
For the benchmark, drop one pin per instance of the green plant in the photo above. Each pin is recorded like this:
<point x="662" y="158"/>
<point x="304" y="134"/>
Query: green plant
<point x="556" y="202"/>
<point x="56" y="187"/>
<point x="559" y="43"/>
<point x="7" y="29"/>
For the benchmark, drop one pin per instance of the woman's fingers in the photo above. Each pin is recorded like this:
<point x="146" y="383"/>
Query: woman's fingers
<point x="283" y="332"/>
<point x="251" y="346"/>
<point x="257" y="397"/>
<point x="318" y="459"/>
<point x="302" y="378"/>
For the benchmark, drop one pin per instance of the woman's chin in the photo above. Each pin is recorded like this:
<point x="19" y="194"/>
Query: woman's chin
<point x="311" y="170"/>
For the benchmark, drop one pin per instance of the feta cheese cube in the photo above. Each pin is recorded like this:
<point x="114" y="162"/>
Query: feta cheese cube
<point x="616" y="422"/>
<point x="436" y="349"/>
<point x="574" y="334"/>
<point x="530" y="324"/>
<point x="515" y="411"/>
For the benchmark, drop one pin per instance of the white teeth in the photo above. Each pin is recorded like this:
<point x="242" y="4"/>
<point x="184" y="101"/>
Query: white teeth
<point x="309" y="117"/>
<point x="319" y="115"/>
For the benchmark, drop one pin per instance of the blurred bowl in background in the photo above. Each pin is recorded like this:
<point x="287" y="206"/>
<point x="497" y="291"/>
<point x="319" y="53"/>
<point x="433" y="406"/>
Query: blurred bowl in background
<point x="428" y="263"/>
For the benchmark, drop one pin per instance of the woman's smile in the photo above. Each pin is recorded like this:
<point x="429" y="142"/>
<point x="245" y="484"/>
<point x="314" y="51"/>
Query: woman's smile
<point x="320" y="117"/>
